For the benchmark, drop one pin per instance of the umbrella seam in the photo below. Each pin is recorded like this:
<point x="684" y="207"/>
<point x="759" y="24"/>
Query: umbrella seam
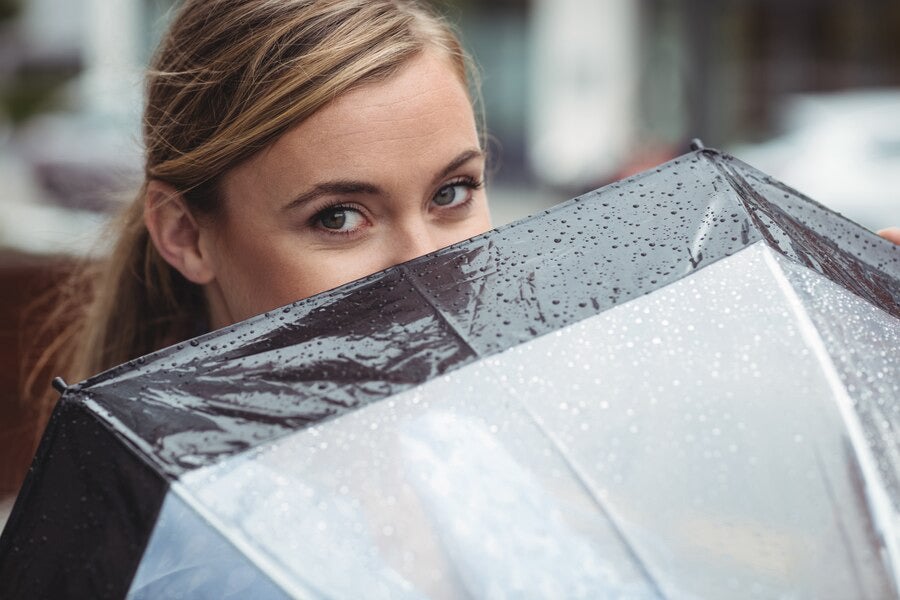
<point x="584" y="482"/>
<point x="440" y="315"/>
<point x="741" y="189"/>
<point x="118" y="428"/>
<point x="258" y="557"/>
<point x="839" y="521"/>
<point x="753" y="203"/>
<point x="880" y="506"/>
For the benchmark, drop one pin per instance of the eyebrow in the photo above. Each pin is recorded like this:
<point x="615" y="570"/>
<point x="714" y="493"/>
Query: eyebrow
<point x="342" y="187"/>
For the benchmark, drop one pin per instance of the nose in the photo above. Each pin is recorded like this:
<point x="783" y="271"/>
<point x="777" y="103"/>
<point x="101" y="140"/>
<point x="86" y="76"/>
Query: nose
<point x="413" y="239"/>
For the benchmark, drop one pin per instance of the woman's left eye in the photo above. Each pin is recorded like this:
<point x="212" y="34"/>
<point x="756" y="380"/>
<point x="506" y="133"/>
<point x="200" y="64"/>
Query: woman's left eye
<point x="454" y="194"/>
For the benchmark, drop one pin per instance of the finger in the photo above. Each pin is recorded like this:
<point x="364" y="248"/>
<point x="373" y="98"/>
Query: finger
<point x="891" y="233"/>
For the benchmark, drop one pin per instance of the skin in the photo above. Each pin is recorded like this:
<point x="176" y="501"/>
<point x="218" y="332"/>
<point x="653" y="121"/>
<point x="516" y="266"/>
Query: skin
<point x="891" y="233"/>
<point x="383" y="174"/>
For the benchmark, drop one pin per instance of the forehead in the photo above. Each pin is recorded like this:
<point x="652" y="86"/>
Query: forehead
<point x="426" y="81"/>
<point x="415" y="119"/>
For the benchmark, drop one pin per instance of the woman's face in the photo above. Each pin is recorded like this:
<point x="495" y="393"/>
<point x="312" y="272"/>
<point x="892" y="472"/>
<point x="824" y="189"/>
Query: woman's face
<point x="383" y="174"/>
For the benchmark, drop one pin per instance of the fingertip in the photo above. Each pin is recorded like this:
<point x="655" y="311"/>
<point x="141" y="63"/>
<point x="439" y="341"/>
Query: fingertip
<point x="890" y="233"/>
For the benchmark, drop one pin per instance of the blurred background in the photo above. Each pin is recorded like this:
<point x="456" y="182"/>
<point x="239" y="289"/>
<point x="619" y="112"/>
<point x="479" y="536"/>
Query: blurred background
<point x="577" y="94"/>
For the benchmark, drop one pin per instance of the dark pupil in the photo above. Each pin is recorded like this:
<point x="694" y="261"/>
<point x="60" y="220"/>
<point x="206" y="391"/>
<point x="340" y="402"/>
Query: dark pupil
<point x="444" y="196"/>
<point x="334" y="219"/>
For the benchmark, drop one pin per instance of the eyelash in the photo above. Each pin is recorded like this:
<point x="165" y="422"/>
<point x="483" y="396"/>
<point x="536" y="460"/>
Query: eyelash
<point x="469" y="182"/>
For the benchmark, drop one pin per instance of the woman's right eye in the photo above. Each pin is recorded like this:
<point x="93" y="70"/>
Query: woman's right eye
<point x="339" y="219"/>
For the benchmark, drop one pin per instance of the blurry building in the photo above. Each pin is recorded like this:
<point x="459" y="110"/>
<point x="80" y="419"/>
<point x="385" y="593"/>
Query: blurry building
<point x="595" y="84"/>
<point x="70" y="88"/>
<point x="576" y="92"/>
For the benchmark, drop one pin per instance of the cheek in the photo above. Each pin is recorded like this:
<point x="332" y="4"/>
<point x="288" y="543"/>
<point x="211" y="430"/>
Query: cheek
<point x="318" y="271"/>
<point x="258" y="270"/>
<point x="256" y="274"/>
<point x="479" y="223"/>
<point x="484" y="220"/>
<point x="269" y="272"/>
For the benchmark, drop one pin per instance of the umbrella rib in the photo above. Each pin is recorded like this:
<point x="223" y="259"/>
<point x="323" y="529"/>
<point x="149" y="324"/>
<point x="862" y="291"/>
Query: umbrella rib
<point x="607" y="512"/>
<point x="880" y="504"/>
<point x="743" y="191"/>
<point x="440" y="315"/>
<point x="836" y="512"/>
<point x="269" y="565"/>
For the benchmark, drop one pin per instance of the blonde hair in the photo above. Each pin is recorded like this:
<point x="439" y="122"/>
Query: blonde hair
<point x="229" y="77"/>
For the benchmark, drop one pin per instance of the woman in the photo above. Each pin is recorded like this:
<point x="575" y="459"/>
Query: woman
<point x="291" y="146"/>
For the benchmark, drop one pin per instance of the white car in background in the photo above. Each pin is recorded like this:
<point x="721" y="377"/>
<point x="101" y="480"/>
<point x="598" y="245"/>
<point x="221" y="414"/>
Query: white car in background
<point x="842" y="150"/>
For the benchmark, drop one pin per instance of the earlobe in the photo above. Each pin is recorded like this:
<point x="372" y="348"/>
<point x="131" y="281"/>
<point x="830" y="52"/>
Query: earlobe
<point x="176" y="233"/>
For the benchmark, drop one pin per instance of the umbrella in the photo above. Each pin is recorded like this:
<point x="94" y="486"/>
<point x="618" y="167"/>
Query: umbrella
<point x="684" y="384"/>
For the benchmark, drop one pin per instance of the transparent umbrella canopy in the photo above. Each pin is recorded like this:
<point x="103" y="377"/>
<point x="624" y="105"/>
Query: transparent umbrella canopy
<point x="682" y="385"/>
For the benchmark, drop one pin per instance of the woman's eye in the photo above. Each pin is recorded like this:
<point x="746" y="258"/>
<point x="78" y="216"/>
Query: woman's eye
<point x="451" y="195"/>
<point x="340" y="219"/>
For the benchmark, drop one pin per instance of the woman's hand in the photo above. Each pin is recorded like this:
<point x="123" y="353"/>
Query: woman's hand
<point x="891" y="233"/>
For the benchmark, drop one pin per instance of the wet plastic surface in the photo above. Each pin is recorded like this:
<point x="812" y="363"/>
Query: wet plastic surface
<point x="817" y="238"/>
<point x="850" y="329"/>
<point x="231" y="390"/>
<point x="83" y="516"/>
<point x="187" y="557"/>
<point x="195" y="405"/>
<point x="646" y="452"/>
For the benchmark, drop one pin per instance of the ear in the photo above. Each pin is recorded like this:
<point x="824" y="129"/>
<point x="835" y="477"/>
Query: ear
<point x="175" y="233"/>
